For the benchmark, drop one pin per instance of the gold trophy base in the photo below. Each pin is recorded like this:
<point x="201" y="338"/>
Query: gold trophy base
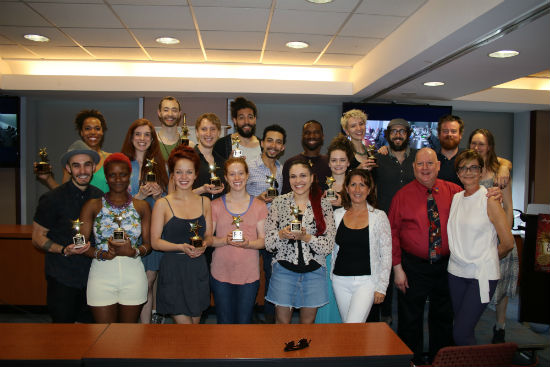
<point x="150" y="177"/>
<point x="196" y="241"/>
<point x="271" y="192"/>
<point x="215" y="181"/>
<point x="237" y="153"/>
<point x="184" y="142"/>
<point x="331" y="194"/>
<point x="79" y="240"/>
<point x="43" y="167"/>
<point x="238" y="235"/>
<point x="119" y="236"/>
<point x="295" y="226"/>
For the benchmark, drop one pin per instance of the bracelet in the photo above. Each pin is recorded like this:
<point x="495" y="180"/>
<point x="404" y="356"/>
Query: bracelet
<point x="63" y="252"/>
<point x="101" y="256"/>
<point x="46" y="246"/>
<point x="144" y="250"/>
<point x="136" y="255"/>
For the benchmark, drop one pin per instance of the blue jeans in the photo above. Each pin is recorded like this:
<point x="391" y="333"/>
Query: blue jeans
<point x="234" y="302"/>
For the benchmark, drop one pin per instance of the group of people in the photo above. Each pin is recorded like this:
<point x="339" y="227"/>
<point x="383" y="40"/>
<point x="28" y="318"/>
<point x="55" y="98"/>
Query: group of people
<point x="168" y="223"/>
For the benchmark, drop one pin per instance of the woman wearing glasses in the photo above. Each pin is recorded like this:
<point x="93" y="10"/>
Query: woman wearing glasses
<point x="475" y="222"/>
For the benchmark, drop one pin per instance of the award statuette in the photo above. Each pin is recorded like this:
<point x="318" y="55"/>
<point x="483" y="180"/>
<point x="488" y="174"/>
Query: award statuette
<point x="43" y="166"/>
<point x="196" y="240"/>
<point x="371" y="149"/>
<point x="237" y="234"/>
<point x="271" y="191"/>
<point x="118" y="234"/>
<point x="184" y="137"/>
<point x="331" y="195"/>
<point x="295" y="224"/>
<point x="150" y="176"/>
<point x="214" y="180"/>
<point x="237" y="153"/>
<point x="78" y="239"/>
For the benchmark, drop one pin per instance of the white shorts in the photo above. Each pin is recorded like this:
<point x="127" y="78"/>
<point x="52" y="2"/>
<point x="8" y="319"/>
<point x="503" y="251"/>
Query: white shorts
<point x="121" y="280"/>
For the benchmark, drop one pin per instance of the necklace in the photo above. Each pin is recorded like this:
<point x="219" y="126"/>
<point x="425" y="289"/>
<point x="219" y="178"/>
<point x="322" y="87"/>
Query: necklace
<point x="363" y="153"/>
<point x="114" y="206"/>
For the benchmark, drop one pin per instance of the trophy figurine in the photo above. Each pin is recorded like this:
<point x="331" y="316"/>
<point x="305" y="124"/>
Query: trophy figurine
<point x="271" y="191"/>
<point x="43" y="167"/>
<point x="331" y="195"/>
<point x="214" y="180"/>
<point x="150" y="176"/>
<point x="78" y="239"/>
<point x="237" y="153"/>
<point x="371" y="149"/>
<point x="238" y="233"/>
<point x="184" y="137"/>
<point x="295" y="224"/>
<point x="196" y="240"/>
<point x="118" y="234"/>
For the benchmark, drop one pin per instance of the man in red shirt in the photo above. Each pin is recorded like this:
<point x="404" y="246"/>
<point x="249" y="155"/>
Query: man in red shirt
<point x="420" y="268"/>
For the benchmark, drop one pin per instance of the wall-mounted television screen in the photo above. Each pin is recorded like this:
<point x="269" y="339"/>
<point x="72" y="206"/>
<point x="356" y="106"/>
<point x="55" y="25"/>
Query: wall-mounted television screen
<point x="423" y="120"/>
<point x="9" y="131"/>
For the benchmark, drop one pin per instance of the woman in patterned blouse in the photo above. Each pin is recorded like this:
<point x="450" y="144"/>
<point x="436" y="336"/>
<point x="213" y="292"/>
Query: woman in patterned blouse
<point x="299" y="268"/>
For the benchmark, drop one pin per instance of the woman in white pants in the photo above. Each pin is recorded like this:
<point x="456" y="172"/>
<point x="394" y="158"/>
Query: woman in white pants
<point x="361" y="260"/>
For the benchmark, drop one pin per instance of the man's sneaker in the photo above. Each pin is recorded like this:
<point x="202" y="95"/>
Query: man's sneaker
<point x="498" y="335"/>
<point x="157" y="319"/>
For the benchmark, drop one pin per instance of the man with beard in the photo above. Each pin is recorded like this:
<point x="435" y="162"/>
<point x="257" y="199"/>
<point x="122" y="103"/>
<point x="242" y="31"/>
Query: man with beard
<point x="312" y="141"/>
<point x="243" y="114"/>
<point x="273" y="146"/>
<point x="169" y="114"/>
<point x="66" y="267"/>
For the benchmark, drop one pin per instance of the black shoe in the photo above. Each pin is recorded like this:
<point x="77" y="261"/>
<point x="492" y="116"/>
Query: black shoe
<point x="498" y="335"/>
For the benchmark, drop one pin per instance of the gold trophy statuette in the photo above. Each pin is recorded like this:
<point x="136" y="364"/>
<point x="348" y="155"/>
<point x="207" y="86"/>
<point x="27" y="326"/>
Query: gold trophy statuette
<point x="196" y="240"/>
<point x="271" y="191"/>
<point x="118" y="234"/>
<point x="78" y="239"/>
<point x="295" y="224"/>
<point x="214" y="180"/>
<point x="43" y="166"/>
<point x="150" y="176"/>
<point x="331" y="195"/>
<point x="235" y="141"/>
<point x="184" y="137"/>
<point x="238" y="233"/>
<point x="371" y="149"/>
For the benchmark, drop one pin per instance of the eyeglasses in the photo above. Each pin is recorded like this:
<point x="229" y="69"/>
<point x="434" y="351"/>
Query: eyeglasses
<point x="291" y="345"/>
<point x="400" y="132"/>
<point x="472" y="169"/>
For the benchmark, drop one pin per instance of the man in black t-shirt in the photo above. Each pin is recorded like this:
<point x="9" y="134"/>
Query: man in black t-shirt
<point x="66" y="267"/>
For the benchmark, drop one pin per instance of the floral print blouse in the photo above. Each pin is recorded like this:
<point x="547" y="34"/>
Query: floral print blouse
<point x="105" y="225"/>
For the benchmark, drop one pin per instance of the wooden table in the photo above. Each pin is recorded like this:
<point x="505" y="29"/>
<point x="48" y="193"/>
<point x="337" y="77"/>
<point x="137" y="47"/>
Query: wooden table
<point x="219" y="345"/>
<point x="47" y="344"/>
<point x="21" y="267"/>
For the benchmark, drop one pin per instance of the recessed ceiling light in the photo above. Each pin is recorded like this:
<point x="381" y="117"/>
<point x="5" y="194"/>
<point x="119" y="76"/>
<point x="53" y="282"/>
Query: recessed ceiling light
<point x="36" y="38"/>
<point x="434" y="84"/>
<point x="297" y="44"/>
<point x="168" y="40"/>
<point x="503" y="54"/>
<point x="320" y="1"/>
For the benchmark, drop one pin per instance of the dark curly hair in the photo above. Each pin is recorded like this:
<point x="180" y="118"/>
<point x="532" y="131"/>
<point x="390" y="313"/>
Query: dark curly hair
<point x="183" y="152"/>
<point x="341" y="142"/>
<point x="239" y="103"/>
<point x="84" y="114"/>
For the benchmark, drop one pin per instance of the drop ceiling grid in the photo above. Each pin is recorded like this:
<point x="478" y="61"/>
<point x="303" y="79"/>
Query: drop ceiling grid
<point x="78" y="15"/>
<point x="156" y="17"/>
<point x="16" y="33"/>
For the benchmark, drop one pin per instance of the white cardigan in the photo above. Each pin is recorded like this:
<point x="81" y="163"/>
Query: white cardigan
<point x="380" y="246"/>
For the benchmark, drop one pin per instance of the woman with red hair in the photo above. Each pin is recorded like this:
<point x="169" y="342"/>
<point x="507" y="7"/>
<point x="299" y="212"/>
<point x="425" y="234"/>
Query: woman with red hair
<point x="299" y="278"/>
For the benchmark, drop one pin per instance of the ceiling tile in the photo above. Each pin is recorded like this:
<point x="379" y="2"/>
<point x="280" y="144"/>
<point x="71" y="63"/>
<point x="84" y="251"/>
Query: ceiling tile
<point x="69" y="1"/>
<point x="15" y="52"/>
<point x="289" y="58"/>
<point x="402" y="8"/>
<point x="16" y="34"/>
<point x="335" y="6"/>
<point x="235" y="19"/>
<point x="166" y="17"/>
<point x="353" y="45"/>
<point x="16" y="13"/>
<point x="339" y="60"/>
<point x="5" y="41"/>
<point x="78" y="15"/>
<point x="112" y="53"/>
<point x="61" y="53"/>
<point x="176" y="55"/>
<point x="233" y="56"/>
<point x="232" y="40"/>
<point x="147" y="37"/>
<point x="101" y="37"/>
<point x="374" y="26"/>
<point x="277" y="41"/>
<point x="298" y="21"/>
<point x="233" y="3"/>
<point x="147" y="2"/>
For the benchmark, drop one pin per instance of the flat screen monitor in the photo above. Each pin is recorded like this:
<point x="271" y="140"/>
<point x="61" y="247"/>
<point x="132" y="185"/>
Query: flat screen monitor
<point x="9" y="131"/>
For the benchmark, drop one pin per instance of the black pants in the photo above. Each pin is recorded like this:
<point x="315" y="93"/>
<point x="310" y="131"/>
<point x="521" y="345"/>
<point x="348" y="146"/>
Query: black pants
<point x="426" y="282"/>
<point x="67" y="304"/>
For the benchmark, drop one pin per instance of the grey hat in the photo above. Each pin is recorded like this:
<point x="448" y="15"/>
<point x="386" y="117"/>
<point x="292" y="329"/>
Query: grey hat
<point x="79" y="147"/>
<point x="401" y="122"/>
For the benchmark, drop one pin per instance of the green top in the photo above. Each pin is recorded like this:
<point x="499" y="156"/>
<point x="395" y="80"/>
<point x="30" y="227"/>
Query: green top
<point x="166" y="149"/>
<point x="99" y="180"/>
